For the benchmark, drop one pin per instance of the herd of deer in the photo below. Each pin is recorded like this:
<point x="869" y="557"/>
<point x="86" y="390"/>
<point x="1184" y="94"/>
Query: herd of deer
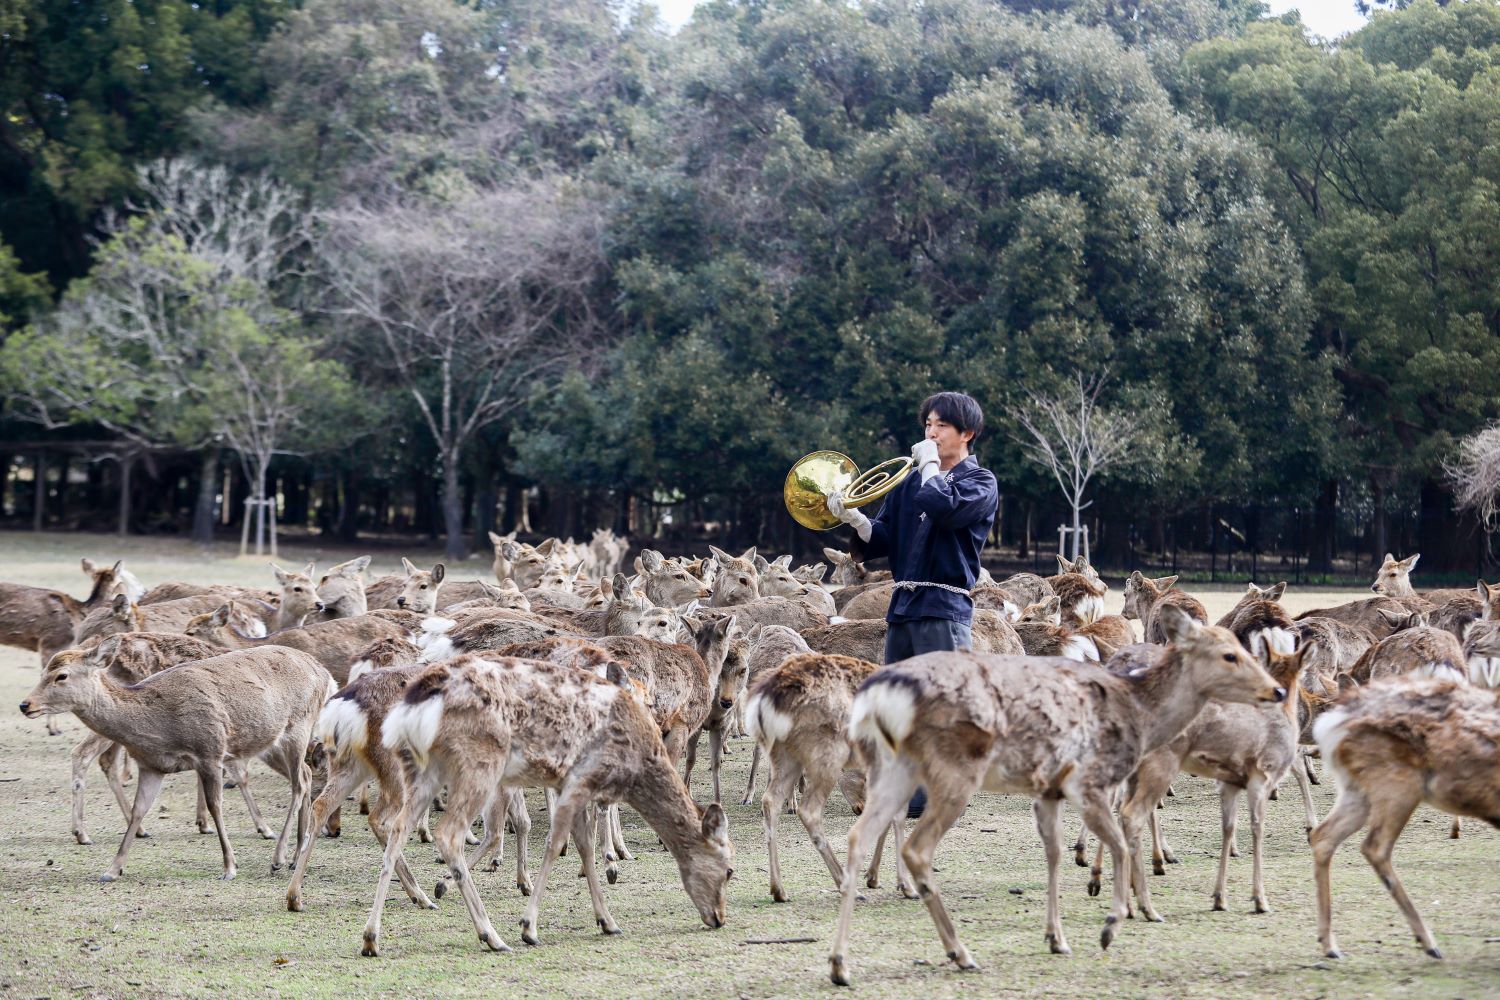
<point x="572" y="676"/>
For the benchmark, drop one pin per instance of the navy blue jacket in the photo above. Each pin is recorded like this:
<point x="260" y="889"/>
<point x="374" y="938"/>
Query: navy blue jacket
<point x="934" y="532"/>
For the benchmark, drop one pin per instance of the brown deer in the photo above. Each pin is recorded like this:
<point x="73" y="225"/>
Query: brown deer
<point x="736" y="581"/>
<point x="1028" y="587"/>
<point x="1081" y="598"/>
<point x="1482" y="654"/>
<point x="1245" y="748"/>
<point x="849" y="572"/>
<point x="1369" y="614"/>
<point x="1416" y="648"/>
<point x="342" y="590"/>
<point x="769" y="646"/>
<point x="797" y="714"/>
<point x="299" y="598"/>
<point x="1394" y="745"/>
<point x="1050" y="729"/>
<point x="721" y="645"/>
<point x="333" y="644"/>
<point x="668" y="584"/>
<point x="1041" y="635"/>
<point x="1146" y="599"/>
<point x="480" y="722"/>
<point x="238" y="705"/>
<point x="1260" y="622"/>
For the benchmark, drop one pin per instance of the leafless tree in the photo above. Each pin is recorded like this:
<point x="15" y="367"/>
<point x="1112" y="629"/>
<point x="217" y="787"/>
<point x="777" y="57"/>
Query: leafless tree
<point x="1071" y="436"/>
<point x="1475" y="475"/>
<point x="475" y="303"/>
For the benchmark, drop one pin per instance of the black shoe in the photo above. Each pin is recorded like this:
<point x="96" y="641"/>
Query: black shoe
<point x="917" y="805"/>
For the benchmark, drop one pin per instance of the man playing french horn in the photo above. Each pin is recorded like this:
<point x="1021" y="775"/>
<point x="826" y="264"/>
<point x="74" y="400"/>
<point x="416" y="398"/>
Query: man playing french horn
<point x="933" y="527"/>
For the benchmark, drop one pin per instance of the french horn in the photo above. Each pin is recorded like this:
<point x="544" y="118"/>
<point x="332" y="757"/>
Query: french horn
<point x="817" y="475"/>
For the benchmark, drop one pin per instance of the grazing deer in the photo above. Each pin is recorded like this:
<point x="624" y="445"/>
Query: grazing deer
<point x="238" y="705"/>
<point x="1051" y="729"/>
<point x="478" y="723"/>
<point x="1146" y="599"/>
<point x="798" y="713"/>
<point x="1245" y="748"/>
<point x="1394" y="745"/>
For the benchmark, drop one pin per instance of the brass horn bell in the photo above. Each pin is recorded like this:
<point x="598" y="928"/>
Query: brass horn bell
<point x="821" y="473"/>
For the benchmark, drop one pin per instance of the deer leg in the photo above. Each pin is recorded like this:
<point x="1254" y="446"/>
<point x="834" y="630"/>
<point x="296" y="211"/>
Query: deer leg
<point x="891" y="782"/>
<point x="1255" y="791"/>
<point x="691" y="759"/>
<point x="1101" y="820"/>
<point x="606" y="841"/>
<point x="1307" y="768"/>
<point x="147" y="787"/>
<point x="750" y="783"/>
<point x="784" y="774"/>
<point x="1391" y="810"/>
<point x="1081" y="846"/>
<point x="1350" y="811"/>
<point x="515" y="810"/>
<point x="402" y="805"/>
<point x="584" y="835"/>
<point x="1048" y="815"/>
<point x="293" y="755"/>
<point x="571" y="799"/>
<point x="469" y="794"/>
<point x="239" y="773"/>
<point x="1229" y="801"/>
<point x="211" y="781"/>
<point x="715" y="752"/>
<point x="1139" y="810"/>
<point x="364" y="801"/>
<point x="1456" y="829"/>
<point x="85" y="752"/>
<point x="392" y="803"/>
<point x="617" y="834"/>
<point x="810" y="811"/>
<point x="1309" y="813"/>
<point x="947" y="795"/>
<point x="341" y="781"/>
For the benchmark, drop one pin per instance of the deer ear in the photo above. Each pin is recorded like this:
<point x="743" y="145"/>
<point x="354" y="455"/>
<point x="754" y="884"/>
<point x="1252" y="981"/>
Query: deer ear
<point x="783" y="562"/>
<point x="546" y="547"/>
<point x="748" y="554"/>
<point x="1178" y="624"/>
<point x="720" y="555"/>
<point x="438" y="571"/>
<point x="716" y="825"/>
<point x="614" y="672"/>
<point x="649" y="561"/>
<point x="1136" y="579"/>
<point x="833" y="555"/>
<point x="407" y="565"/>
<point x="1304" y="651"/>
<point x="1063" y="566"/>
<point x="496" y="541"/>
<point x="1410" y="562"/>
<point x="1347" y="683"/>
<point x="220" y="617"/>
<point x="1275" y="592"/>
<point x="761" y="566"/>
<point x="309" y="569"/>
<point x="1388" y="560"/>
<point x="818" y="572"/>
<point x="280" y="573"/>
<point x="121" y="606"/>
<point x="621" y="587"/>
<point x="1395" y="619"/>
<point x="1165" y="582"/>
<point x="510" y="549"/>
<point x="89" y="567"/>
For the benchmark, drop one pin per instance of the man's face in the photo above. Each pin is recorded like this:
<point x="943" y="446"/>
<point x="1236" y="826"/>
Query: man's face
<point x="952" y="443"/>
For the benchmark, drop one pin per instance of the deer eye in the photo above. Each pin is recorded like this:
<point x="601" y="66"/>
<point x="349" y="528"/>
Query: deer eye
<point x="59" y="678"/>
<point x="423" y="587"/>
<point x="1228" y="657"/>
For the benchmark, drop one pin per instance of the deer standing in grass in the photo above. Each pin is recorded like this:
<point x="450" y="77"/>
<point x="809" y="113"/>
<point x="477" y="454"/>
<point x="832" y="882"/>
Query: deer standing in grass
<point x="798" y="713"/>
<point x="238" y="705"/>
<point x="482" y="723"/>
<point x="1146" y="599"/>
<point x="1050" y="729"/>
<point x="1394" y="745"/>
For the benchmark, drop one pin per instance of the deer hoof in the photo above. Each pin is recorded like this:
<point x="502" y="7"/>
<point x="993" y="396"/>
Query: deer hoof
<point x="525" y="888"/>
<point x="1261" y="907"/>
<point x="612" y="874"/>
<point x="492" y="941"/>
<point x="441" y="889"/>
<point x="82" y="838"/>
<point x="1218" y="901"/>
<point x="1157" y="868"/>
<point x="1093" y="887"/>
<point x="837" y="971"/>
<point x="370" y="949"/>
<point x="293" y="903"/>
<point x="1107" y="935"/>
<point x="1433" y="952"/>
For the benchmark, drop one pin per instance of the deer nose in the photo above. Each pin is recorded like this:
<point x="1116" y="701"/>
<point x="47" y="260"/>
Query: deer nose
<point x="726" y="702"/>
<point x="25" y="708"/>
<point x="1281" y="694"/>
<point x="400" y="602"/>
<point x="1375" y="587"/>
<point x="319" y="606"/>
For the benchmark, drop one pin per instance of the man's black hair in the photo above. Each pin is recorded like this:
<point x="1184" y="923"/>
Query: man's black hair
<point x="956" y="408"/>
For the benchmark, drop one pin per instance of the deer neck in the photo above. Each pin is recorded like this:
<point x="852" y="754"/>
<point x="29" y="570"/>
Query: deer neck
<point x="1401" y="590"/>
<point x="109" y="709"/>
<point x="1168" y="699"/>
<point x="657" y="793"/>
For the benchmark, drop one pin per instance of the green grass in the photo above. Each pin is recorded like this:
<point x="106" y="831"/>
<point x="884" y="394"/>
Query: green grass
<point x="168" y="928"/>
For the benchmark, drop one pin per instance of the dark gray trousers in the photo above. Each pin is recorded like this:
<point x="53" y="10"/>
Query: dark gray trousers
<point x="925" y="635"/>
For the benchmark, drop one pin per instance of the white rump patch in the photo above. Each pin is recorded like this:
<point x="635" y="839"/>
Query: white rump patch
<point x="1484" y="671"/>
<point x="1081" y="648"/>
<point x="257" y="629"/>
<point x="1442" y="672"/>
<point x="883" y="714"/>
<point x="1277" y="638"/>
<point x="1328" y="731"/>
<point x="439" y="647"/>
<point x="134" y="588"/>
<point x="414" y="727"/>
<point x="359" y="669"/>
<point x="766" y="726"/>
<point x="837" y="620"/>
<point x="1012" y="613"/>
<point x="342" y="727"/>
<point x="1089" y="610"/>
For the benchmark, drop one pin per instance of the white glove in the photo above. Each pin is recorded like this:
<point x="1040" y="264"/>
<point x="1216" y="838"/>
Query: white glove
<point x="925" y="454"/>
<point x="853" y="518"/>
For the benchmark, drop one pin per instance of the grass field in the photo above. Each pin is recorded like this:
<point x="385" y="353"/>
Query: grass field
<point x="170" y="928"/>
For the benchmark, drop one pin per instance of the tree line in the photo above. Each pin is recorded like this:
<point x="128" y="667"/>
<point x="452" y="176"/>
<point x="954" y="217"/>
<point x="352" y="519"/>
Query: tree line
<point x="475" y="264"/>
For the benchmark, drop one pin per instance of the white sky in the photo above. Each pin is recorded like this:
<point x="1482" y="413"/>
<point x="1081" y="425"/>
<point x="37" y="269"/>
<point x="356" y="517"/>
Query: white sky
<point x="1329" y="18"/>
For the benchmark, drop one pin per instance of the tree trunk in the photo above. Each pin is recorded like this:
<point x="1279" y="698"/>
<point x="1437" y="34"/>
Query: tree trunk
<point x="127" y="464"/>
<point x="1320" y="549"/>
<point x="348" y="527"/>
<point x="39" y="491"/>
<point x="203" y="509"/>
<point x="1449" y="541"/>
<point x="457" y="547"/>
<point x="1378" y="546"/>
